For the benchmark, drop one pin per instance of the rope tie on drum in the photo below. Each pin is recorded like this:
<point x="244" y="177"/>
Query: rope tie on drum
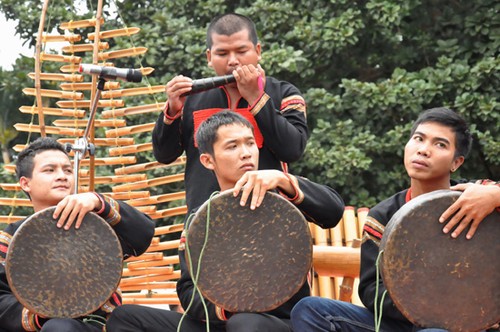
<point x="378" y="319"/>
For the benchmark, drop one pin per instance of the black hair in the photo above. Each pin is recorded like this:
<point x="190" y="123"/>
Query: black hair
<point x="24" y="162"/>
<point x="451" y="119"/>
<point x="206" y="136"/>
<point x="227" y="24"/>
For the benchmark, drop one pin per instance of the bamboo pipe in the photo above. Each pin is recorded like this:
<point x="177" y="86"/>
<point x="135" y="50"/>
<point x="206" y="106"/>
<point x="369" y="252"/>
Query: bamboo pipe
<point x="97" y="123"/>
<point x="115" y="33"/>
<point x="134" y="91"/>
<point x="148" y="166"/>
<point x="60" y="58"/>
<point x="155" y="270"/>
<point x="152" y="299"/>
<point x="49" y="129"/>
<point x="150" y="182"/>
<point x="169" y="260"/>
<point x="46" y="38"/>
<point x="86" y="103"/>
<point x="58" y="77"/>
<point x="10" y="219"/>
<point x="110" y="161"/>
<point x="147" y="278"/>
<point x="133" y="110"/>
<point x="53" y="93"/>
<point x="158" y="199"/>
<point x="79" y="24"/>
<point x="162" y="230"/>
<point x="131" y="149"/>
<point x="128" y="195"/>
<point x="173" y="244"/>
<point x="131" y="130"/>
<point x="15" y="201"/>
<point x="148" y="256"/>
<point x="148" y="286"/>
<point x="84" y="47"/>
<point x="336" y="261"/>
<point x="53" y="111"/>
<point x="172" y="212"/>
<point x="104" y="142"/>
<point x="133" y="51"/>
<point x="86" y="86"/>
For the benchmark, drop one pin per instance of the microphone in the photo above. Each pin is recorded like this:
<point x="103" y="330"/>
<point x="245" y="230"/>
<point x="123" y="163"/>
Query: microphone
<point x="128" y="75"/>
<point x="209" y="83"/>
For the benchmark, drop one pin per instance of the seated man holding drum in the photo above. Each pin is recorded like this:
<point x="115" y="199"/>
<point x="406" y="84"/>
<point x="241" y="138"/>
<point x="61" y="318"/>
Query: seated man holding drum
<point x="438" y="145"/>
<point x="46" y="175"/>
<point x="227" y="147"/>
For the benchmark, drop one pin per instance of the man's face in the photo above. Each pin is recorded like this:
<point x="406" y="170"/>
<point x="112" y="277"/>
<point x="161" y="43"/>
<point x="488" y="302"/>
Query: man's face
<point x="52" y="179"/>
<point x="230" y="52"/>
<point x="235" y="153"/>
<point x="430" y="153"/>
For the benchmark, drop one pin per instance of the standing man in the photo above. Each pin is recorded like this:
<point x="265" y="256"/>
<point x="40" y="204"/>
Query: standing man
<point x="438" y="145"/>
<point x="228" y="148"/>
<point x="276" y="108"/>
<point x="46" y="175"/>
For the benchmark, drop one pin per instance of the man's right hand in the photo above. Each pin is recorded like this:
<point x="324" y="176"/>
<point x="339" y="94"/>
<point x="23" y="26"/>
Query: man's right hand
<point x="174" y="89"/>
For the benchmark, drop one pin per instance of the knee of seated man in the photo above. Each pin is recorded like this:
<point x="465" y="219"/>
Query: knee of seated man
<point x="60" y="325"/>
<point x="253" y="322"/>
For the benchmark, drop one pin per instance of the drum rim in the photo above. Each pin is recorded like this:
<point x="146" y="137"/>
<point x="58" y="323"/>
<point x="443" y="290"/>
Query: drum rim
<point x="394" y="225"/>
<point x="229" y="193"/>
<point x="27" y="302"/>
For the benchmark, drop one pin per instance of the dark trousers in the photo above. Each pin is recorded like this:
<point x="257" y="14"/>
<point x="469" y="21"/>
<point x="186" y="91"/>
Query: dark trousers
<point x="69" y="325"/>
<point x="135" y="318"/>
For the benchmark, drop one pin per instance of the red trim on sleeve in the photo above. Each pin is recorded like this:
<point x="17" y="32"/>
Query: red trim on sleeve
<point x="373" y="232"/>
<point x="292" y="101"/>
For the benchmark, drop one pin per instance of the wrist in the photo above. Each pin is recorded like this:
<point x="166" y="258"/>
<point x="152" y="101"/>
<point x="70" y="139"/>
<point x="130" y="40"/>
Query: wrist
<point x="168" y="115"/>
<point x="99" y="208"/>
<point x="297" y="196"/>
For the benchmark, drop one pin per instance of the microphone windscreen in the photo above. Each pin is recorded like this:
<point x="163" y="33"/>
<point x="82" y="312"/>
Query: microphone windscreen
<point x="134" y="75"/>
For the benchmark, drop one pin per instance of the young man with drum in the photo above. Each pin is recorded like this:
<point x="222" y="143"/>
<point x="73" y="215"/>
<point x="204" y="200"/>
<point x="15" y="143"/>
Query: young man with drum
<point x="438" y="145"/>
<point x="227" y="147"/>
<point x="46" y="175"/>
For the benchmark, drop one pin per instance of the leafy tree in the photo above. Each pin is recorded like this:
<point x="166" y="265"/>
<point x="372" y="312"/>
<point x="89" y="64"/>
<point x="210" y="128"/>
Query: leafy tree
<point x="366" y="68"/>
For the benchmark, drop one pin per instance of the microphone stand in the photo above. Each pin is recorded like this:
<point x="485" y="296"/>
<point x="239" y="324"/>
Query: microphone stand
<point x="82" y="145"/>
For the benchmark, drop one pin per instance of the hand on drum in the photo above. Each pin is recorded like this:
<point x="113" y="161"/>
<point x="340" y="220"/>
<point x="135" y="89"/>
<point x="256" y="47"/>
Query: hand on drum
<point x="476" y="202"/>
<point x="258" y="183"/>
<point x="75" y="207"/>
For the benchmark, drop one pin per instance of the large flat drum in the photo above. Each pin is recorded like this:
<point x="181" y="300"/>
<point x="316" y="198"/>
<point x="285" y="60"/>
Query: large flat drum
<point x="253" y="260"/>
<point x="63" y="273"/>
<point x="438" y="281"/>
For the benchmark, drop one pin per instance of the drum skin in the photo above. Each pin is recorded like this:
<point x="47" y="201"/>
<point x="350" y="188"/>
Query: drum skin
<point x="435" y="280"/>
<point x="253" y="260"/>
<point x="63" y="273"/>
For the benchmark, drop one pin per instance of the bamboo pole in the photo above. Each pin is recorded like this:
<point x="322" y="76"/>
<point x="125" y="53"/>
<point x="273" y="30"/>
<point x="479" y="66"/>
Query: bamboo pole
<point x="38" y="52"/>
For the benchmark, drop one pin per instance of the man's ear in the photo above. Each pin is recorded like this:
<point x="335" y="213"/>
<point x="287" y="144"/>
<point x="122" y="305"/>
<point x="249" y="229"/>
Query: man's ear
<point x="207" y="161"/>
<point x="25" y="183"/>
<point x="209" y="58"/>
<point x="457" y="163"/>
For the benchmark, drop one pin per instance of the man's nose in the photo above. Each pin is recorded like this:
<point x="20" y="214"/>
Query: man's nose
<point x="423" y="150"/>
<point x="233" y="59"/>
<point x="61" y="174"/>
<point x="245" y="152"/>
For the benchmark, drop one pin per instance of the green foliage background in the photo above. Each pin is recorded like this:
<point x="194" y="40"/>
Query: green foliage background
<point x="367" y="69"/>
